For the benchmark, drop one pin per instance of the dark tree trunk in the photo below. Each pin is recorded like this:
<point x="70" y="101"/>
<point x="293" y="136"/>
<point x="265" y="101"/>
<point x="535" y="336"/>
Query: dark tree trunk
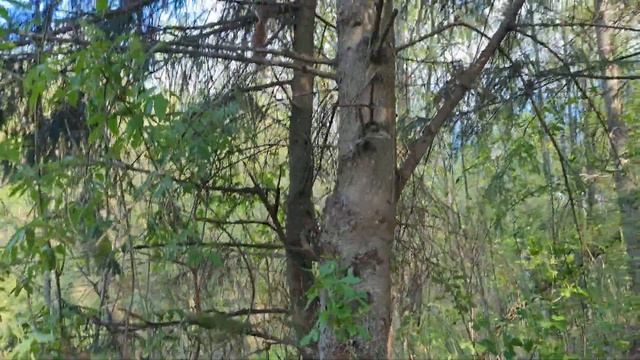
<point x="301" y="221"/>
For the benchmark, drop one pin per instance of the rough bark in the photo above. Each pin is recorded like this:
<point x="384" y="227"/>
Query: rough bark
<point x="360" y="213"/>
<point x="628" y="194"/>
<point x="359" y="216"/>
<point x="301" y="222"/>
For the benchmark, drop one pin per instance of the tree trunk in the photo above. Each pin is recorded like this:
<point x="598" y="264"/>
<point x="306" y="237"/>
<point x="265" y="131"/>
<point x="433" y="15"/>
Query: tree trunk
<point x="359" y="216"/>
<point x="301" y="222"/>
<point x="360" y="213"/>
<point x="628" y="193"/>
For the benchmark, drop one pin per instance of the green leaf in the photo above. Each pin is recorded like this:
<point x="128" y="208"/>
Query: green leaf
<point x="310" y="338"/>
<point x="94" y="135"/>
<point x="49" y="257"/>
<point x="7" y="45"/>
<point x="528" y="345"/>
<point x="60" y="250"/>
<point x="17" y="237"/>
<point x="24" y="348"/>
<point x="112" y="124"/>
<point x="10" y="150"/>
<point x="195" y="258"/>
<point x="350" y="279"/>
<point x="4" y="14"/>
<point x="489" y="346"/>
<point x="103" y="251"/>
<point x="134" y="129"/>
<point x="215" y="259"/>
<point x="102" y="5"/>
<point x="42" y="337"/>
<point x="509" y="354"/>
<point x="327" y="268"/>
<point x="160" y="106"/>
<point x="36" y="82"/>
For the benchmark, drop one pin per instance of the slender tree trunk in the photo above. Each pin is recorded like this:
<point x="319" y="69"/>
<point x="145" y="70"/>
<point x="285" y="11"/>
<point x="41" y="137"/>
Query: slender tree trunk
<point x="628" y="195"/>
<point x="360" y="213"/>
<point x="628" y="192"/>
<point x="301" y="221"/>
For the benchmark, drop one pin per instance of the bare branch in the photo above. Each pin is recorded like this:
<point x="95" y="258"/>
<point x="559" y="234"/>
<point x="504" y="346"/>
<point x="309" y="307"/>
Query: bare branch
<point x="461" y="86"/>
<point x="579" y="24"/>
<point x="272" y="210"/>
<point x="246" y="59"/>
<point x="201" y="185"/>
<point x="284" y="53"/>
<point x="438" y="31"/>
<point x="430" y="34"/>
<point x="252" y="311"/>
<point x="586" y="75"/>
<point x="214" y="245"/>
<point x="233" y="222"/>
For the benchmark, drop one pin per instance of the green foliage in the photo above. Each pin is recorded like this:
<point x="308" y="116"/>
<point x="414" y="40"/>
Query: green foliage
<point x="128" y="209"/>
<point x="102" y="5"/>
<point x="342" y="304"/>
<point x="218" y="322"/>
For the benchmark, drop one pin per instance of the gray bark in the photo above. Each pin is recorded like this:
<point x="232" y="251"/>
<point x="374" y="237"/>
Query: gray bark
<point x="359" y="215"/>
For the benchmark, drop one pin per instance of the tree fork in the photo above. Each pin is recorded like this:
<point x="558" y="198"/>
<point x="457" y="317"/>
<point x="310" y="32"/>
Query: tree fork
<point x="359" y="217"/>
